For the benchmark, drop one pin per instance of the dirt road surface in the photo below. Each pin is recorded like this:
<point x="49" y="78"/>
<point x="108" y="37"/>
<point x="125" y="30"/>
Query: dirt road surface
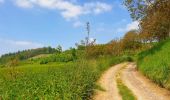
<point x="108" y="83"/>
<point x="142" y="87"/>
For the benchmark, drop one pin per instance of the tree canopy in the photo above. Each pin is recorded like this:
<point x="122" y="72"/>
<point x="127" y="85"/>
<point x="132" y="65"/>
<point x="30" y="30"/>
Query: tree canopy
<point x="153" y="16"/>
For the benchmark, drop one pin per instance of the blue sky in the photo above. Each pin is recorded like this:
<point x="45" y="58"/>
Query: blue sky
<point x="26" y="24"/>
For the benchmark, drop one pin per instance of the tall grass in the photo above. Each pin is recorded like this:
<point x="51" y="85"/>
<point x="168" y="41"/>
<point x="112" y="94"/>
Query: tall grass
<point x="155" y="63"/>
<point x="71" y="81"/>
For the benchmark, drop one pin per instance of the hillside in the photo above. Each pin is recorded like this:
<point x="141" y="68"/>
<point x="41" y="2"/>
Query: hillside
<point x="60" y="80"/>
<point x="155" y="63"/>
<point x="26" y="54"/>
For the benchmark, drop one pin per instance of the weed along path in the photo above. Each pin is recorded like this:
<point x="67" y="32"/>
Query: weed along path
<point x="142" y="88"/>
<point x="108" y="83"/>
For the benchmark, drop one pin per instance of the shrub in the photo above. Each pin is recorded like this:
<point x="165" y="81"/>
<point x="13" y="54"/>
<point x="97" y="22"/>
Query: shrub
<point x="44" y="61"/>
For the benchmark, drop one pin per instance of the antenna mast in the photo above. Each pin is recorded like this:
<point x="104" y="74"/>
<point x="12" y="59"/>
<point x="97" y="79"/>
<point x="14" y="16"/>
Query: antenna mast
<point x="88" y="32"/>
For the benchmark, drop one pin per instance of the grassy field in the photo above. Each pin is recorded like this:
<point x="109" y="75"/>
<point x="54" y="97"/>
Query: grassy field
<point x="155" y="63"/>
<point x="65" y="81"/>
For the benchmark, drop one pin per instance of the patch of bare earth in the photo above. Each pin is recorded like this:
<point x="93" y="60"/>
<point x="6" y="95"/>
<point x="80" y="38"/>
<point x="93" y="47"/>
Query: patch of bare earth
<point x="108" y="83"/>
<point x="142" y="87"/>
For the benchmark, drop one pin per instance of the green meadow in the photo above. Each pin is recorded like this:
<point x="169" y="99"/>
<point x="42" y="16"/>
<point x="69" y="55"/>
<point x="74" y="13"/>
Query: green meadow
<point x="73" y="80"/>
<point x="155" y="63"/>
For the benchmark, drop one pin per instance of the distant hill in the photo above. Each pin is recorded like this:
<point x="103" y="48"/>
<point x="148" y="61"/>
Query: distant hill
<point x="155" y="63"/>
<point x="26" y="54"/>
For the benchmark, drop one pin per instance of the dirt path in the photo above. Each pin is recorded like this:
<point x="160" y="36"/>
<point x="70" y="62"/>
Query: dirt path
<point x="142" y="87"/>
<point x="108" y="83"/>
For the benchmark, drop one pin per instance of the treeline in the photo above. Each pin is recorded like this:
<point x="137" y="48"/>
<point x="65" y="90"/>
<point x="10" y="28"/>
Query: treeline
<point x="154" y="26"/>
<point x="25" y="54"/>
<point x="130" y="44"/>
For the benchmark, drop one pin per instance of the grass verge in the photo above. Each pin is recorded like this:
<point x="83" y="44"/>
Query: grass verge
<point x="124" y="91"/>
<point x="155" y="63"/>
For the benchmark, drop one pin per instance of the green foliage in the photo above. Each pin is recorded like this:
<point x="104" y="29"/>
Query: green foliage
<point x="67" y="81"/>
<point x="153" y="16"/>
<point x="67" y="75"/>
<point x="23" y="55"/>
<point x="58" y="49"/>
<point x="95" y="51"/>
<point x="62" y="57"/>
<point x="125" y="92"/>
<point x="155" y="63"/>
<point x="131" y="41"/>
<point x="73" y="52"/>
<point x="44" y="61"/>
<point x="137" y="8"/>
<point x="128" y="58"/>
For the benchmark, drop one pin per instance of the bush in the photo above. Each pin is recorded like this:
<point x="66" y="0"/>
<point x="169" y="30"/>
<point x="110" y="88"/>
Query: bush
<point x="44" y="61"/>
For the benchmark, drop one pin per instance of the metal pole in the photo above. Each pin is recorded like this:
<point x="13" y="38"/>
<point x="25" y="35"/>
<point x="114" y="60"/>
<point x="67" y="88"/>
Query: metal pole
<point x="88" y="32"/>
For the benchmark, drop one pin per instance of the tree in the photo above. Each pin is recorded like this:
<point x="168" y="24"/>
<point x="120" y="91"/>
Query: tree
<point x="114" y="47"/>
<point x="153" y="16"/>
<point x="138" y="8"/>
<point x="59" y="49"/>
<point x="131" y="40"/>
<point x="81" y="45"/>
<point x="73" y="52"/>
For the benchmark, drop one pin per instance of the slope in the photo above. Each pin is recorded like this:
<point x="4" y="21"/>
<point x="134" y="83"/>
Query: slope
<point x="155" y="63"/>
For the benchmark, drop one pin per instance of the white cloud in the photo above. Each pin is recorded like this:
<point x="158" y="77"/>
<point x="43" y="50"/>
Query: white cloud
<point x="96" y="7"/>
<point x="24" y="3"/>
<point x="131" y="26"/>
<point x="78" y="24"/>
<point x="68" y="9"/>
<point x="13" y="45"/>
<point x="102" y="7"/>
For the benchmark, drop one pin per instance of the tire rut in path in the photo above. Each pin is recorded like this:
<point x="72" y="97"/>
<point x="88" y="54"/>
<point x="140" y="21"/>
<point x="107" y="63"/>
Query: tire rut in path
<point x="108" y="83"/>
